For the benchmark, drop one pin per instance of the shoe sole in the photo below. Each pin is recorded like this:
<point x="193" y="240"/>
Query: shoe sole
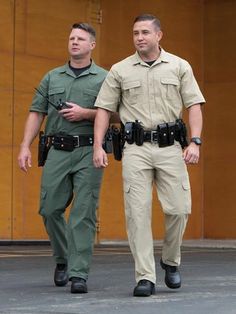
<point x="78" y="291"/>
<point x="143" y="294"/>
<point x="171" y="286"/>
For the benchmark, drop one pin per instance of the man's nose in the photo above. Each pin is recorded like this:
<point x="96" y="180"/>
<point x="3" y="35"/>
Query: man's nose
<point x="140" y="36"/>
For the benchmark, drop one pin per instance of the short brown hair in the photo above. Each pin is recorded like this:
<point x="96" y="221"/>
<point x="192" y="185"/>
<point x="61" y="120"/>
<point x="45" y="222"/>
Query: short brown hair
<point x="85" y="27"/>
<point x="148" y="17"/>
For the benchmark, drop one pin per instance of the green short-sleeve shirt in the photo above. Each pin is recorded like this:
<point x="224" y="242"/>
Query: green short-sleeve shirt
<point x="61" y="85"/>
<point x="152" y="94"/>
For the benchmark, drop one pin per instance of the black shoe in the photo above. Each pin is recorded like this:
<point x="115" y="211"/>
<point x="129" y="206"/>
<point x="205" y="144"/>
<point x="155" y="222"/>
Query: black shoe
<point x="172" y="277"/>
<point x="78" y="285"/>
<point x="60" y="275"/>
<point x="144" y="288"/>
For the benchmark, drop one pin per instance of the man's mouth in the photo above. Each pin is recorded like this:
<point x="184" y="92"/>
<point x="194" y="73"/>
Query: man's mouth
<point x="141" y="45"/>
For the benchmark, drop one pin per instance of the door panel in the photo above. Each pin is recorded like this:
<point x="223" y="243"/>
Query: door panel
<point x="6" y="116"/>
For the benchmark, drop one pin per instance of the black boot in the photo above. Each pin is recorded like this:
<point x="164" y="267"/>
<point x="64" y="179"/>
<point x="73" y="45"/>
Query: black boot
<point x="144" y="288"/>
<point x="60" y="275"/>
<point x="172" y="277"/>
<point x="78" y="285"/>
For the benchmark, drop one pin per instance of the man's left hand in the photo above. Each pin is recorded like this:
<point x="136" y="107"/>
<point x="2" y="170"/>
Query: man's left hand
<point x="191" y="154"/>
<point x="73" y="113"/>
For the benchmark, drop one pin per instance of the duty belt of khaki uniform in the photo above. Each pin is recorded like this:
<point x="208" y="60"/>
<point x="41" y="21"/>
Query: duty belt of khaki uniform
<point x="133" y="133"/>
<point x="150" y="136"/>
<point x="164" y="135"/>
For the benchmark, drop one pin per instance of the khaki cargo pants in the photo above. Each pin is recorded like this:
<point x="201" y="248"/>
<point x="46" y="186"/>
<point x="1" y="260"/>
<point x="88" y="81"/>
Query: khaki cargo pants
<point x="143" y="167"/>
<point x="71" y="176"/>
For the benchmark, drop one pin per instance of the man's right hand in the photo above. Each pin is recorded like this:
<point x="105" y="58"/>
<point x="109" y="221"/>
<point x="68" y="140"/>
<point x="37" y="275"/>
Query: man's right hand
<point x="24" y="158"/>
<point x="100" y="159"/>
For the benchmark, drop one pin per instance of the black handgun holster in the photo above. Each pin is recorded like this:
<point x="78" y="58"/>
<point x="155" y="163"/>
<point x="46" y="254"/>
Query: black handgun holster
<point x="117" y="143"/>
<point x="43" y="148"/>
<point x="107" y="144"/>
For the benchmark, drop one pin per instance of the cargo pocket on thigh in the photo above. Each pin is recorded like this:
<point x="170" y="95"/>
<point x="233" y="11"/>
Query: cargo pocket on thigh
<point x="43" y="195"/>
<point x="187" y="195"/>
<point x="95" y="195"/>
<point x="127" y="198"/>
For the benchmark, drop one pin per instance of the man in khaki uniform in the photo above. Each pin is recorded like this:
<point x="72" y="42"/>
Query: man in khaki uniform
<point x="69" y="175"/>
<point x="152" y="86"/>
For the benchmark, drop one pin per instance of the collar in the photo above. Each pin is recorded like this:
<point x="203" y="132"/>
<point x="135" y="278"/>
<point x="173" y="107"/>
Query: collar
<point x="66" y="69"/>
<point x="164" y="57"/>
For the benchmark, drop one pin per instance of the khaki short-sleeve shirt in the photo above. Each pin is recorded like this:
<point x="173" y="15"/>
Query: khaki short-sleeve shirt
<point x="152" y="94"/>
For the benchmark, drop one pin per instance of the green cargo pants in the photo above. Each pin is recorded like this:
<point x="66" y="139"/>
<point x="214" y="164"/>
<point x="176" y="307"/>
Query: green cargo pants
<point x="70" y="178"/>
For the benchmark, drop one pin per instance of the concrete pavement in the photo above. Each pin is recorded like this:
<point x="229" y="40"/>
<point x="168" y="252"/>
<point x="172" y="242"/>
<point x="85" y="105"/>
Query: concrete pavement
<point x="208" y="282"/>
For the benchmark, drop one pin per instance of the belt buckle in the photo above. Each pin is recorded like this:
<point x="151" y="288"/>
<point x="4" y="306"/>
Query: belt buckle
<point x="77" y="137"/>
<point x="154" y="137"/>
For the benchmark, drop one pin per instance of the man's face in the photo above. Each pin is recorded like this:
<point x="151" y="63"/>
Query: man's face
<point x="80" y="43"/>
<point x="146" y="37"/>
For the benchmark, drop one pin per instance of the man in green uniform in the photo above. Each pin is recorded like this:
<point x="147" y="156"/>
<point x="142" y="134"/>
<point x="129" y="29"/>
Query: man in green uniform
<point x="66" y="95"/>
<point x="149" y="89"/>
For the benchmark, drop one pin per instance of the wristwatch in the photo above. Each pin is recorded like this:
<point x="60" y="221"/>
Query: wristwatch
<point x="196" y="140"/>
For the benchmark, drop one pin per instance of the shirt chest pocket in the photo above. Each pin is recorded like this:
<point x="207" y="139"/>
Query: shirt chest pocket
<point x="57" y="95"/>
<point x="132" y="92"/>
<point x="170" y="88"/>
<point x="89" y="98"/>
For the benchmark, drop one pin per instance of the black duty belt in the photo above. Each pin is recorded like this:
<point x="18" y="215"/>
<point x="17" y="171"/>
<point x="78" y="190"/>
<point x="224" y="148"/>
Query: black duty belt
<point x="165" y="133"/>
<point x="69" y="142"/>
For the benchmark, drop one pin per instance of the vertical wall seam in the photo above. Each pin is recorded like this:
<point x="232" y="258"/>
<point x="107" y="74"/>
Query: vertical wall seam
<point x="203" y="155"/>
<point x="13" y="116"/>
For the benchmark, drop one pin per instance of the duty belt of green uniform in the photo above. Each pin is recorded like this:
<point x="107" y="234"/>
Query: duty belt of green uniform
<point x="68" y="143"/>
<point x="60" y="142"/>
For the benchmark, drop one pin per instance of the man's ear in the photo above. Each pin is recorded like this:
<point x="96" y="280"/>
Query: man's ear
<point x="159" y="35"/>
<point x="93" y="45"/>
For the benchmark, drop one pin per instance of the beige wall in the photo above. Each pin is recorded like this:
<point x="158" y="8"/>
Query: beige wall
<point x="34" y="39"/>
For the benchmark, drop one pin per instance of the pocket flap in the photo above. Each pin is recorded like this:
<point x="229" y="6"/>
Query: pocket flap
<point x="91" y="92"/>
<point x="186" y="184"/>
<point x="95" y="192"/>
<point x="126" y="187"/>
<point x="56" y="90"/>
<point x="43" y="194"/>
<point x="169" y="81"/>
<point x="131" y="84"/>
